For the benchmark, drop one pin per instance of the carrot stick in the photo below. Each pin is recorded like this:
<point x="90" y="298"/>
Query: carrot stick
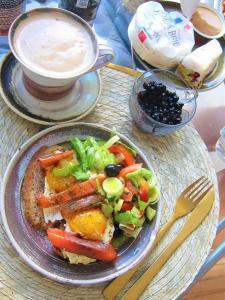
<point x="50" y="160"/>
<point x="75" y="192"/>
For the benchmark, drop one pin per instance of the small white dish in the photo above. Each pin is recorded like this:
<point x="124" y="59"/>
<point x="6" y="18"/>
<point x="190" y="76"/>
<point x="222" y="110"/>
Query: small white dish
<point x="219" y="15"/>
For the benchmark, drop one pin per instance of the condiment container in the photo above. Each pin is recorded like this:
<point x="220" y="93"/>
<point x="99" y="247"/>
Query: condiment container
<point x="86" y="9"/>
<point x="9" y="10"/>
<point x="217" y="15"/>
<point x="220" y="145"/>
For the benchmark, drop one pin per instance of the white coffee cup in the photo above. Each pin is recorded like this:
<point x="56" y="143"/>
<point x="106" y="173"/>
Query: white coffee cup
<point x="47" y="85"/>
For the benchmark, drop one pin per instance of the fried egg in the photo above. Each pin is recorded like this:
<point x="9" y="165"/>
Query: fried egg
<point x="51" y="214"/>
<point x="91" y="223"/>
<point x="81" y="259"/>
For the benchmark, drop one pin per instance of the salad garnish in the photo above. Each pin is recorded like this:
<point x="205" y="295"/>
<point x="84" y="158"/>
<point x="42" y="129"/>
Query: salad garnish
<point x="102" y="193"/>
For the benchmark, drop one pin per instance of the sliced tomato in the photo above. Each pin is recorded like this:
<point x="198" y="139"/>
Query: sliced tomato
<point x="132" y="226"/>
<point x="131" y="191"/>
<point x="71" y="243"/>
<point x="127" y="196"/>
<point x="144" y="188"/>
<point x="129" y="185"/>
<point x="126" y="206"/>
<point x="130" y="169"/>
<point x="142" y="213"/>
<point x="120" y="149"/>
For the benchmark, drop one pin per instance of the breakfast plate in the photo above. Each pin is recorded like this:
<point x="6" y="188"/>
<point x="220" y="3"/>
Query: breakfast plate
<point x="33" y="246"/>
<point x="78" y="103"/>
<point x="216" y="76"/>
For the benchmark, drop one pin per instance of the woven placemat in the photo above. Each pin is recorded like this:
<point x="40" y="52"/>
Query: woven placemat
<point x="178" y="160"/>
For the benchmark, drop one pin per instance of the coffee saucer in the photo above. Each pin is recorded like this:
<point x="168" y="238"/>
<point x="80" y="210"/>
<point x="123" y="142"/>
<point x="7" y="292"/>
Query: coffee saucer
<point x="78" y="103"/>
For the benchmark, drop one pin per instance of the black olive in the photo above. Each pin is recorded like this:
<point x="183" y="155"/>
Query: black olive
<point x="112" y="170"/>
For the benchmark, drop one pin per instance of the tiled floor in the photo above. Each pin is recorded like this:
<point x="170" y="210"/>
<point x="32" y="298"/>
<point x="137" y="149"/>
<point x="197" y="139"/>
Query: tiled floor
<point x="211" y="286"/>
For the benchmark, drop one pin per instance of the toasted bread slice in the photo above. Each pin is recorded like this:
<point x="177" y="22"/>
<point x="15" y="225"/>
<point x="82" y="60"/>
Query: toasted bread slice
<point x="33" y="183"/>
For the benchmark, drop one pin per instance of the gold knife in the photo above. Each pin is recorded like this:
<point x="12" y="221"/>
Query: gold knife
<point x="125" y="70"/>
<point x="196" y="218"/>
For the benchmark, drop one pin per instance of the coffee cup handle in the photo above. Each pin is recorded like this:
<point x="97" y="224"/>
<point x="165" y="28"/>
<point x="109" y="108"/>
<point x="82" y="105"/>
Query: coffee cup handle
<point x="106" y="55"/>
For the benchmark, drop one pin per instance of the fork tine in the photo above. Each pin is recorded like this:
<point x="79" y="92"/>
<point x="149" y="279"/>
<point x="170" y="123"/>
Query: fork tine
<point x="201" y="183"/>
<point x="188" y="189"/>
<point x="198" y="192"/>
<point x="202" y="195"/>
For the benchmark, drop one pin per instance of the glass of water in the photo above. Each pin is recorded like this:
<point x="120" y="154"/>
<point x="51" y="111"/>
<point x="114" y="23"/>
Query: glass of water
<point x="220" y="145"/>
<point x="86" y="9"/>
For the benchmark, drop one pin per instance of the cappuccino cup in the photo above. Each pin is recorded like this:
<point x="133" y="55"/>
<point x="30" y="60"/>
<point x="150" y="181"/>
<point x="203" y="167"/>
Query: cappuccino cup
<point x="55" y="47"/>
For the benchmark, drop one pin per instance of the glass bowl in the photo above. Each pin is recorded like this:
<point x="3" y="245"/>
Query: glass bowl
<point x="173" y="83"/>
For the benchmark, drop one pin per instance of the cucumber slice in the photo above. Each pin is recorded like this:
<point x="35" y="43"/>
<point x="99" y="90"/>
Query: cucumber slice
<point x="150" y="213"/>
<point x="136" y="212"/>
<point x="113" y="186"/>
<point x="111" y="141"/>
<point x="142" y="205"/>
<point x="153" y="194"/>
<point x="107" y="210"/>
<point x="152" y="181"/>
<point x="118" y="241"/>
<point x="118" y="205"/>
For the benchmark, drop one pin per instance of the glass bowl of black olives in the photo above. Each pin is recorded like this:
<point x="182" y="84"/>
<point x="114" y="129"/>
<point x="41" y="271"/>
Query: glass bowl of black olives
<point x="161" y="102"/>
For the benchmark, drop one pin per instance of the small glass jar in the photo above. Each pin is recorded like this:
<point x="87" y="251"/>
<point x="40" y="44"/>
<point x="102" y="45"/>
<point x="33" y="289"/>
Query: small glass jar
<point x="220" y="145"/>
<point x="86" y="9"/>
<point x="9" y="10"/>
<point x="173" y="83"/>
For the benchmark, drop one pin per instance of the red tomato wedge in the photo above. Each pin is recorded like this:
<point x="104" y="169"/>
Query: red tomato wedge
<point x="77" y="191"/>
<point x="120" y="149"/>
<point x="126" y="206"/>
<point x="129" y="185"/>
<point x="130" y="169"/>
<point x="47" y="161"/>
<point x="127" y="196"/>
<point x="71" y="243"/>
<point x="144" y="188"/>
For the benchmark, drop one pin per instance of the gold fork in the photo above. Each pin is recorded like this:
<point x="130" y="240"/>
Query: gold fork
<point x="185" y="203"/>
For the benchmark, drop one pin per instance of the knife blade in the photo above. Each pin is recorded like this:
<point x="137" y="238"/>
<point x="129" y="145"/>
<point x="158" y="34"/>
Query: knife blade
<point x="125" y="70"/>
<point x="196" y="218"/>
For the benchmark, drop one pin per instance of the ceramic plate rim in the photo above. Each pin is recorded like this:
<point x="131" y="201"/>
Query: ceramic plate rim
<point x="42" y="122"/>
<point x="16" y="157"/>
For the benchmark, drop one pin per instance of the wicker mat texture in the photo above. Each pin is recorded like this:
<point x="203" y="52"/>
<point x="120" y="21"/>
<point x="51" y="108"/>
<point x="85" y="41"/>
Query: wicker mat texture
<point x="178" y="160"/>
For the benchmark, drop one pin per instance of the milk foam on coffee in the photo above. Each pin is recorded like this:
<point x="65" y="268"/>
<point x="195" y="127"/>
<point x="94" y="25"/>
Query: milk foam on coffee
<point x="55" y="45"/>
